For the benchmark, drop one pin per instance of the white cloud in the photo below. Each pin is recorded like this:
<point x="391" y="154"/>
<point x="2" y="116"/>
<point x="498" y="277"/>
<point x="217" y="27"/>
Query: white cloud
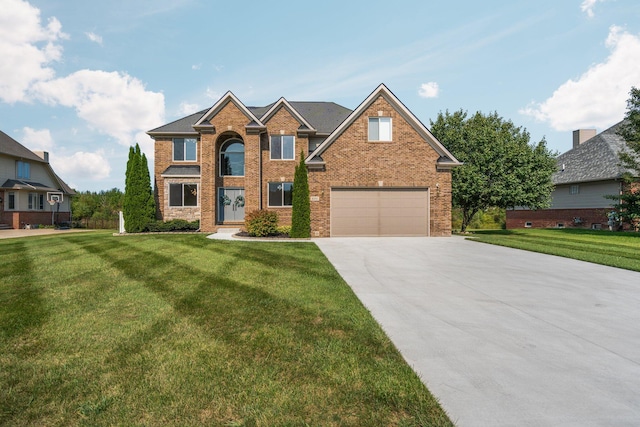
<point x="94" y="37"/>
<point x="113" y="103"/>
<point x="598" y="97"/>
<point x="187" y="108"/>
<point x="27" y="49"/>
<point x="429" y="90"/>
<point x="81" y="166"/>
<point x="37" y="139"/>
<point x="587" y="6"/>
<point x="196" y="66"/>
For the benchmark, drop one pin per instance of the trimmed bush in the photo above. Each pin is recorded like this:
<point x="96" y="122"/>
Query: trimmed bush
<point x="173" y="225"/>
<point x="301" y="209"/>
<point x="261" y="223"/>
<point x="284" y="229"/>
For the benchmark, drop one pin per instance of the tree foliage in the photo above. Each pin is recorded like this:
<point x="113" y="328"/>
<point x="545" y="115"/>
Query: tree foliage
<point x="501" y="168"/>
<point x="301" y="206"/>
<point x="138" y="206"/>
<point x="97" y="206"/>
<point x="628" y="203"/>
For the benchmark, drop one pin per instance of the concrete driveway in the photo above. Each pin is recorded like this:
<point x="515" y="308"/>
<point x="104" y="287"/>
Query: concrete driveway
<point x="504" y="337"/>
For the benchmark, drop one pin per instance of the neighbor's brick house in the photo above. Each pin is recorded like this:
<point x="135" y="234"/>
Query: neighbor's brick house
<point x="27" y="182"/>
<point x="586" y="174"/>
<point x="376" y="170"/>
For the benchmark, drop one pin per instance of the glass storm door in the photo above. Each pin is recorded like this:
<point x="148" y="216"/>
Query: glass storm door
<point x="231" y="204"/>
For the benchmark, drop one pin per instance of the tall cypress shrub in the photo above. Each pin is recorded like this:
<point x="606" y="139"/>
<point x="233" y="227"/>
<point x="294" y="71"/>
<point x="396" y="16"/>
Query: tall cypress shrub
<point x="301" y="206"/>
<point x="139" y="205"/>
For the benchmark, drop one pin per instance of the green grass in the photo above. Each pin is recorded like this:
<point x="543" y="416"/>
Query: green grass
<point x="615" y="249"/>
<point x="180" y="330"/>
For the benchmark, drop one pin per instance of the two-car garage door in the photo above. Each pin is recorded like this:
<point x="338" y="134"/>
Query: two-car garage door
<point x="379" y="212"/>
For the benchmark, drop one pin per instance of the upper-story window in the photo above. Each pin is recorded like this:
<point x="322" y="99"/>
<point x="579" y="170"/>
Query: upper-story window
<point x="283" y="147"/>
<point x="574" y="189"/>
<point x="379" y="128"/>
<point x="184" y="149"/>
<point x="23" y="170"/>
<point x="232" y="158"/>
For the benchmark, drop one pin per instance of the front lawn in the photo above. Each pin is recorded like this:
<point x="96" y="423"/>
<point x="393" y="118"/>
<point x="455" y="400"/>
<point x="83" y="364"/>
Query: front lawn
<point x="615" y="249"/>
<point x="181" y="330"/>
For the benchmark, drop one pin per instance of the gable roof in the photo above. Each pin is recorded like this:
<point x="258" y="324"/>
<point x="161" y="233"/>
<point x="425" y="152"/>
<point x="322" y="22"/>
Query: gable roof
<point x="594" y="160"/>
<point x="13" y="148"/>
<point x="180" y="126"/>
<point x="222" y="102"/>
<point x="446" y="160"/>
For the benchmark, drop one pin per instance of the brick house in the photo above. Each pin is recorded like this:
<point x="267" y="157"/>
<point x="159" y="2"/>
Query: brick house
<point x="27" y="184"/>
<point x="375" y="170"/>
<point x="586" y="174"/>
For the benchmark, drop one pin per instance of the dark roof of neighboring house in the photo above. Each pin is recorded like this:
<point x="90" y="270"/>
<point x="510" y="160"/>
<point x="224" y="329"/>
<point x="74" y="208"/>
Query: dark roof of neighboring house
<point x="182" y="170"/>
<point x="18" y="184"/>
<point x="13" y="148"/>
<point x="323" y="116"/>
<point x="594" y="160"/>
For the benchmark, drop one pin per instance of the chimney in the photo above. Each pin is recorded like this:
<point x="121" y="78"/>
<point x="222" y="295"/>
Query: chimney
<point x="582" y="135"/>
<point x="44" y="155"/>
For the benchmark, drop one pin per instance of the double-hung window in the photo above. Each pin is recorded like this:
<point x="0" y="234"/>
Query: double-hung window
<point x="283" y="147"/>
<point x="280" y="194"/>
<point x="184" y="149"/>
<point x="11" y="201"/>
<point x="36" y="201"/>
<point x="379" y="128"/>
<point x="183" y="195"/>
<point x="23" y="170"/>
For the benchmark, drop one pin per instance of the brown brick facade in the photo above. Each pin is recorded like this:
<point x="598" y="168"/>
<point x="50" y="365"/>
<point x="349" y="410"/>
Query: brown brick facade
<point x="408" y="161"/>
<point x="558" y="218"/>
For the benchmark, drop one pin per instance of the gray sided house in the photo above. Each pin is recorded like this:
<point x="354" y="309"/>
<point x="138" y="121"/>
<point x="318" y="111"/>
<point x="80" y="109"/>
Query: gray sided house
<point x="27" y="186"/>
<point x="586" y="174"/>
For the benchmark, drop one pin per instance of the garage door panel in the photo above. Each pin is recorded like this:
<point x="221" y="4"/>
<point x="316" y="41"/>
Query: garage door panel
<point x="379" y="212"/>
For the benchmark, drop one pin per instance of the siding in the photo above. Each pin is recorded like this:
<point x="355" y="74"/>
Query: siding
<point x="591" y="195"/>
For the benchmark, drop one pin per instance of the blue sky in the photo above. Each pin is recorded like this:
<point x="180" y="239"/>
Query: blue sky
<point x="84" y="80"/>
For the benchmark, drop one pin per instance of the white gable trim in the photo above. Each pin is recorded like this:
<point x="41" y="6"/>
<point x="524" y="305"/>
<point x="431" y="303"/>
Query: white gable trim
<point x="382" y="90"/>
<point x="222" y="102"/>
<point x="284" y="103"/>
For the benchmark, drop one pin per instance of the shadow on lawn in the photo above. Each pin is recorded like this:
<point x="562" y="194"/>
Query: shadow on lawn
<point x="23" y="308"/>
<point x="225" y="308"/>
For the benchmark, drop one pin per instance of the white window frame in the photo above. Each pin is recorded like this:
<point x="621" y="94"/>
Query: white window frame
<point x="182" y="184"/>
<point x="281" y="142"/>
<point x="184" y="148"/>
<point x="23" y="170"/>
<point x="574" y="189"/>
<point x="224" y="145"/>
<point x="376" y="121"/>
<point x="281" y="193"/>
<point x="10" y="195"/>
<point x="36" y="202"/>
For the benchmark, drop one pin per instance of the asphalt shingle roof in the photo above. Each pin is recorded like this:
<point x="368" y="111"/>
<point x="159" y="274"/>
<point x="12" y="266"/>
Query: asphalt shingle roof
<point x="11" y="147"/>
<point x="182" y="170"/>
<point x="594" y="160"/>
<point x="323" y="116"/>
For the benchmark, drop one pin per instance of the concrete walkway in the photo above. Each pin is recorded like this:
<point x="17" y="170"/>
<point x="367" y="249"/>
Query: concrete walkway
<point x="504" y="337"/>
<point x="10" y="234"/>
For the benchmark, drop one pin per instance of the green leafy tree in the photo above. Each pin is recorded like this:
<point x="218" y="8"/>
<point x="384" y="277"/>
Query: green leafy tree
<point x="301" y="206"/>
<point x="138" y="205"/>
<point x="97" y="206"/>
<point x="501" y="168"/>
<point x="628" y="203"/>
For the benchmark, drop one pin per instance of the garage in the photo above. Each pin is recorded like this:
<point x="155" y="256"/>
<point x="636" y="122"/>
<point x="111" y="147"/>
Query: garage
<point x="379" y="212"/>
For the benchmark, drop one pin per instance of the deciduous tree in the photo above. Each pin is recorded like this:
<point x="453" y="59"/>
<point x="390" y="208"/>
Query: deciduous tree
<point x="501" y="168"/>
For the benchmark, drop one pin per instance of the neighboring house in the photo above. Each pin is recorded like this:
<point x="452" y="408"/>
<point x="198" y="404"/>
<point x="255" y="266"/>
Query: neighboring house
<point x="373" y="171"/>
<point x="27" y="185"/>
<point x="586" y="174"/>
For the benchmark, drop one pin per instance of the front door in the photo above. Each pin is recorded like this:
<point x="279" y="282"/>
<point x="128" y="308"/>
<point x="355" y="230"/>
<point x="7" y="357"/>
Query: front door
<point x="230" y="204"/>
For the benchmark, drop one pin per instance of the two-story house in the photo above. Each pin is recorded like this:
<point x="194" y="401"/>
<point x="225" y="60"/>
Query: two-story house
<point x="585" y="176"/>
<point x="30" y="191"/>
<point x="373" y="171"/>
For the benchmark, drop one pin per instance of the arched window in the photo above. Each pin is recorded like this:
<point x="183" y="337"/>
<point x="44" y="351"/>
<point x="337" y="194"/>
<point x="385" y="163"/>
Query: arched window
<point x="232" y="158"/>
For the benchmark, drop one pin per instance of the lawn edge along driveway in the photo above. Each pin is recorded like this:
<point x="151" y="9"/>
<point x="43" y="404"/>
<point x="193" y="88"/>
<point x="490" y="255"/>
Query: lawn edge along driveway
<point x="504" y="336"/>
